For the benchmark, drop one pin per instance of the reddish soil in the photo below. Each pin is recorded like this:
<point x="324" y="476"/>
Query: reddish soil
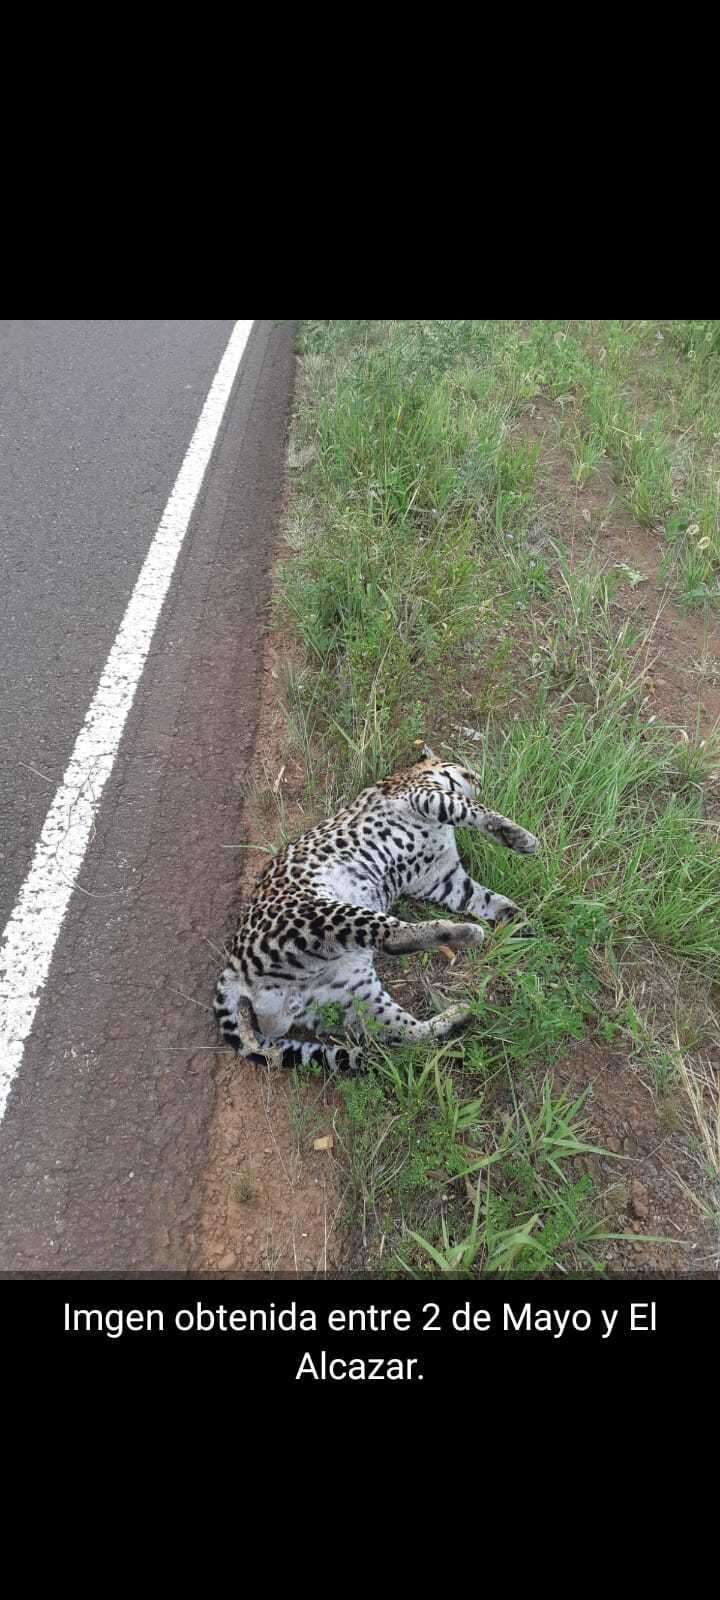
<point x="659" y="1154"/>
<point x="640" y="1184"/>
<point x="591" y="519"/>
<point x="271" y="1199"/>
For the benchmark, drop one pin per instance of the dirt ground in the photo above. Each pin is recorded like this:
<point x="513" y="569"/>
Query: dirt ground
<point x="648" y="1194"/>
<point x="271" y="1199"/>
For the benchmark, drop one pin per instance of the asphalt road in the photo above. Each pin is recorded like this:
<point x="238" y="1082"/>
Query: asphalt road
<point x="103" y="1142"/>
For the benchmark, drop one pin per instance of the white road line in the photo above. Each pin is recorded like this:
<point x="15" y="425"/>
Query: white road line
<point x="29" y="939"/>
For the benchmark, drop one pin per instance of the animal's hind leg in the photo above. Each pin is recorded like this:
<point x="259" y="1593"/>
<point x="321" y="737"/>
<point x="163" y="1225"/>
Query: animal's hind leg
<point x="232" y="1013"/>
<point x="367" y="998"/>
<point x="399" y="1027"/>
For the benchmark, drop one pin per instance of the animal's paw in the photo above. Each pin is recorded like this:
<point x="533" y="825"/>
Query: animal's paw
<point x="502" y="911"/>
<point x="452" y="1021"/>
<point x="516" y="838"/>
<point x="271" y="1058"/>
<point x="525" y="843"/>
<point x="509" y="912"/>
<point x="463" y="934"/>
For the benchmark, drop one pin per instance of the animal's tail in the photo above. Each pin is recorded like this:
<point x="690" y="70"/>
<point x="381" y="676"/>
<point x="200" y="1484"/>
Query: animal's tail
<point x="297" y="1053"/>
<point x="238" y="1032"/>
<point x="290" y="1053"/>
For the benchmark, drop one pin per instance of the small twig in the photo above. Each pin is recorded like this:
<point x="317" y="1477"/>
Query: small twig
<point x="36" y="770"/>
<point x="195" y="1049"/>
<point x="266" y="851"/>
<point x="93" y="894"/>
<point x="189" y="997"/>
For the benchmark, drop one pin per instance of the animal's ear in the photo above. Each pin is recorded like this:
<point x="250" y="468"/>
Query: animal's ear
<point x="428" y="753"/>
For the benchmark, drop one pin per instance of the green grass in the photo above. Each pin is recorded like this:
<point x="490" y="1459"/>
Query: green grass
<point x="411" y="1144"/>
<point x="414" y="490"/>
<point x="619" y="810"/>
<point x="647" y="400"/>
<point x="422" y="602"/>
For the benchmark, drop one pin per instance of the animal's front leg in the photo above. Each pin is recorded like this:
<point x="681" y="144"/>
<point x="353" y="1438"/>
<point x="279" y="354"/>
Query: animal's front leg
<point x="453" y="887"/>
<point x="451" y="810"/>
<point x="406" y="938"/>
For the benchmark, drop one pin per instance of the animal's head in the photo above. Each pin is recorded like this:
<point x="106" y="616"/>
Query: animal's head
<point x="429" y="762"/>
